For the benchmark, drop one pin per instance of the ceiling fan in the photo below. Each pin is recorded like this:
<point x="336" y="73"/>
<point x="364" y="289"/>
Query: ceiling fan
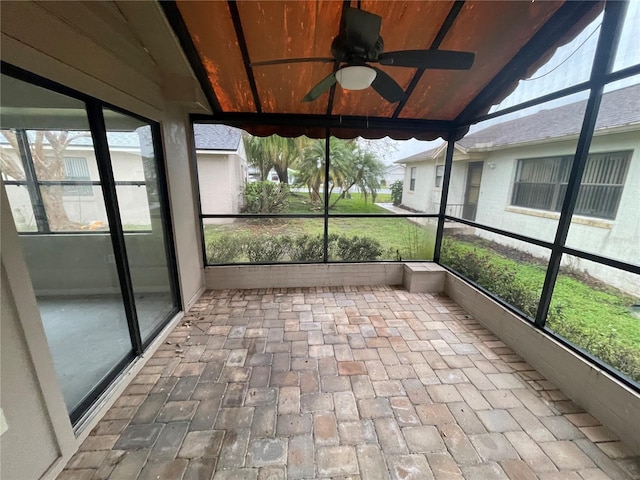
<point x="358" y="45"/>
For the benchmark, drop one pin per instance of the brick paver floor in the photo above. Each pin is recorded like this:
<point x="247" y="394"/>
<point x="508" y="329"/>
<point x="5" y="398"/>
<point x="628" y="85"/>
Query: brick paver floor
<point x="347" y="383"/>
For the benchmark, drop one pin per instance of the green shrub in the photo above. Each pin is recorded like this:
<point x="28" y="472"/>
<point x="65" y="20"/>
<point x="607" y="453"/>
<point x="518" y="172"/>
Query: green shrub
<point x="357" y="248"/>
<point x="396" y="192"/>
<point x="501" y="280"/>
<point x="227" y="248"/>
<point x="266" y="197"/>
<point x="307" y="248"/>
<point x="267" y="249"/>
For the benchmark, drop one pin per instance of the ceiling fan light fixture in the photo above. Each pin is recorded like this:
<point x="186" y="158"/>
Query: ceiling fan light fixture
<point x="355" y="77"/>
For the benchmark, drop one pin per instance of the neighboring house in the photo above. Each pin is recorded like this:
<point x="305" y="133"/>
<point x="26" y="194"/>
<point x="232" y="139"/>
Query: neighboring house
<point x="512" y="176"/>
<point x="393" y="173"/>
<point x="222" y="169"/>
<point x="84" y="204"/>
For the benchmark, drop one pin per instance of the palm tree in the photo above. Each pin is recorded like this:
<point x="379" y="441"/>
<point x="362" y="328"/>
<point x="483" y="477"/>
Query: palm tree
<point x="256" y="155"/>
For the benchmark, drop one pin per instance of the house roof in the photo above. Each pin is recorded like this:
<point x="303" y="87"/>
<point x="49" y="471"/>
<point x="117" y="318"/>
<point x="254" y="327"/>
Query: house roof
<point x="619" y="108"/>
<point x="238" y="62"/>
<point x="216" y="137"/>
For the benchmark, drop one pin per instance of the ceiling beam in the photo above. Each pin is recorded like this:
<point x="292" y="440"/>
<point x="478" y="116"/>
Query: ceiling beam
<point x="242" y="43"/>
<point x="411" y="126"/>
<point x="176" y="21"/>
<point x="444" y="29"/>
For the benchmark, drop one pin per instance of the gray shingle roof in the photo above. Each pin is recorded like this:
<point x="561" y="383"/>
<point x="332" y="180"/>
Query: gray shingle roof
<point x="216" y="137"/>
<point x="619" y="108"/>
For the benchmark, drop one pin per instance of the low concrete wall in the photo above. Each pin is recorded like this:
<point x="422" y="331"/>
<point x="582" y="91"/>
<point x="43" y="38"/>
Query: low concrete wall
<point x="301" y="275"/>
<point x="611" y="402"/>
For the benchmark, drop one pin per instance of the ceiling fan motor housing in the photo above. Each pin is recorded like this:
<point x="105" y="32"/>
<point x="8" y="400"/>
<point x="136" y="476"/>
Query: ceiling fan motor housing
<point x="352" y="54"/>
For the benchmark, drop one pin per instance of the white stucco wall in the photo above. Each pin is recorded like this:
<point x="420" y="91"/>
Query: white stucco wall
<point x="617" y="238"/>
<point x="426" y="196"/>
<point x="221" y="178"/>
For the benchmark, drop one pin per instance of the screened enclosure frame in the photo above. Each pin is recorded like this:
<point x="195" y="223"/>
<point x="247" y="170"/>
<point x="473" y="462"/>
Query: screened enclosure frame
<point x="602" y="74"/>
<point x="94" y="109"/>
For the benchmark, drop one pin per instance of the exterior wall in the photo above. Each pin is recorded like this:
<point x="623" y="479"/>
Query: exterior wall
<point x="393" y="174"/>
<point x="421" y="197"/>
<point x="221" y="179"/>
<point x="426" y="196"/>
<point x="617" y="239"/>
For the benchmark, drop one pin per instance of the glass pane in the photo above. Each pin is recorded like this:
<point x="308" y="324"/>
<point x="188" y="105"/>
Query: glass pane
<point x="21" y="207"/>
<point x="370" y="239"/>
<point x="74" y="277"/>
<point x="135" y="169"/>
<point x="257" y="240"/>
<point x="598" y="308"/>
<point x="511" y="172"/>
<point x="606" y="215"/>
<point x="510" y="269"/>
<point x="569" y="65"/>
<point x="628" y="53"/>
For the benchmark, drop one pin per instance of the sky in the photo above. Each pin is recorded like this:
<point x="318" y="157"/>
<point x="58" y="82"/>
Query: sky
<point x="571" y="64"/>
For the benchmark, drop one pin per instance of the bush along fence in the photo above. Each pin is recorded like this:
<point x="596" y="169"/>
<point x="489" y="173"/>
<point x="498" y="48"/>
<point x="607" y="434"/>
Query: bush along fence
<point x="235" y="248"/>
<point x="503" y="277"/>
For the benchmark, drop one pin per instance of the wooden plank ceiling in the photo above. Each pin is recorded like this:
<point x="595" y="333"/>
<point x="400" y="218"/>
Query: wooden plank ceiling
<point x="508" y="38"/>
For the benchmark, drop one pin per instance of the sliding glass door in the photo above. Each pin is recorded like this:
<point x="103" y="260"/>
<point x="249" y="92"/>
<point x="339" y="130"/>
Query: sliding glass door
<point x="89" y="204"/>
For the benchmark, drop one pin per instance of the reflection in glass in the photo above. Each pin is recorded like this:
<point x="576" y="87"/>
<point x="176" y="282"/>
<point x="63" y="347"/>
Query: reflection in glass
<point x="597" y="308"/>
<point x="510" y="269"/>
<point x="135" y="169"/>
<point x="74" y="276"/>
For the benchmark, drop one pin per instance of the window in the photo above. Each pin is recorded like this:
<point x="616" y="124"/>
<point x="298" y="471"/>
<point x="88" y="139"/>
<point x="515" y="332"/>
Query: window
<point x="412" y="183"/>
<point x="51" y="192"/>
<point x="76" y="169"/>
<point x="439" y="175"/>
<point x="542" y="182"/>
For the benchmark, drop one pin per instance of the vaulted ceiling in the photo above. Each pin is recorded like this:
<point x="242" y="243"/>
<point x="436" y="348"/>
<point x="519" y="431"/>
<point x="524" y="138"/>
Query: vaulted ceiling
<point x="223" y="41"/>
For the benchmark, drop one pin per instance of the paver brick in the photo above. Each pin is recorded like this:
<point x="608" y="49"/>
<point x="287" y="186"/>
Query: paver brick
<point x="267" y="451"/>
<point x="390" y="436"/>
<point x="334" y="461"/>
<point x="372" y="464"/>
<point x="343" y="382"/>
<point x="357" y="432"/>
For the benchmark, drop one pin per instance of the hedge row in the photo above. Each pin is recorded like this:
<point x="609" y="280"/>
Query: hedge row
<point x="503" y="282"/>
<point x="233" y="248"/>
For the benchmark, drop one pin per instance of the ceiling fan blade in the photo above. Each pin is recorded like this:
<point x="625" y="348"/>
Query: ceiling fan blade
<point x="325" y="84"/>
<point x="437" y="59"/>
<point x="293" y="60"/>
<point x="361" y="28"/>
<point x="387" y="87"/>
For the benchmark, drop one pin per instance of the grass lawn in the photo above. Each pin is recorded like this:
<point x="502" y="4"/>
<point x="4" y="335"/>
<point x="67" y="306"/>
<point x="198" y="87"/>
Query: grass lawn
<point x="594" y="317"/>
<point x="398" y="237"/>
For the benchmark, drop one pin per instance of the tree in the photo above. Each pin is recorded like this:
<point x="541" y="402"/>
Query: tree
<point x="350" y="166"/>
<point x="49" y="165"/>
<point x="256" y="155"/>
<point x="274" y="152"/>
